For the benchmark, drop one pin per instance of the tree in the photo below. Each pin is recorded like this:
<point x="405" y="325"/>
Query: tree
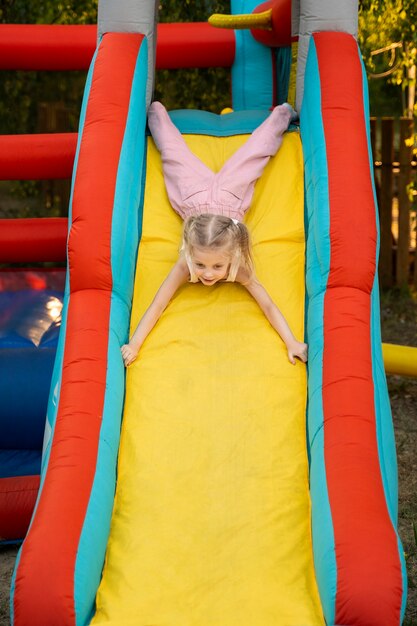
<point x="388" y="39"/>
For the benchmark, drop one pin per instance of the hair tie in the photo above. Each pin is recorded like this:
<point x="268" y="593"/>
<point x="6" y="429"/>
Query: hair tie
<point x="235" y="221"/>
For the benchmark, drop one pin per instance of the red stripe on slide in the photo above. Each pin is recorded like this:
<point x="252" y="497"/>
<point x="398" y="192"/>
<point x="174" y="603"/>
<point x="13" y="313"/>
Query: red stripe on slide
<point x="45" y="576"/>
<point x="369" y="583"/>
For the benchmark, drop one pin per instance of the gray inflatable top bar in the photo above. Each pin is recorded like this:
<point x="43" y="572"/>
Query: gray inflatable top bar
<point x="315" y="16"/>
<point x="308" y="16"/>
<point x="132" y="16"/>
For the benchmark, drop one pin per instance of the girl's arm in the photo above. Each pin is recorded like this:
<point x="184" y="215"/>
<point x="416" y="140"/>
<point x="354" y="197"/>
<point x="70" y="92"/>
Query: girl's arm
<point x="177" y="277"/>
<point x="273" y="314"/>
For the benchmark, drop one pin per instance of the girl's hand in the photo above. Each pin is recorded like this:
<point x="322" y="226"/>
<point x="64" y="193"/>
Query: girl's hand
<point x="129" y="354"/>
<point x="297" y="349"/>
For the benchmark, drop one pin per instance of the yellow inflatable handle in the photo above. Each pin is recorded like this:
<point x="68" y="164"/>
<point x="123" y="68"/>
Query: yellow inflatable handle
<point x="400" y="360"/>
<point x="242" y="21"/>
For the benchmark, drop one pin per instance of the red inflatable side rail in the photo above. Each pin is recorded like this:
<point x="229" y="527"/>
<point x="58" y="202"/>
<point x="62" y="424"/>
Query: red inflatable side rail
<point x="369" y="578"/>
<point x="45" y="47"/>
<point x="61" y="47"/>
<point x="195" y="44"/>
<point x="30" y="240"/>
<point x="36" y="157"/>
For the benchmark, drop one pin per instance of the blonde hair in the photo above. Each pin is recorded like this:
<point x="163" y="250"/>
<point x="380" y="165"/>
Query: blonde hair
<point x="220" y="232"/>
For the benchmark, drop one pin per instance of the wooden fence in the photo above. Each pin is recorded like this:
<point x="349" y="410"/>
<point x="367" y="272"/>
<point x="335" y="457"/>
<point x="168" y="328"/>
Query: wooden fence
<point x="395" y="178"/>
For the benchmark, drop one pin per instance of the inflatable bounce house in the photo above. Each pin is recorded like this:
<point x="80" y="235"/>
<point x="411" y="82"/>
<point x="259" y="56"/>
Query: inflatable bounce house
<point x="30" y="309"/>
<point x="214" y="483"/>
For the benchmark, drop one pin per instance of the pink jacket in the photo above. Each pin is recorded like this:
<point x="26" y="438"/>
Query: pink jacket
<point x="193" y="188"/>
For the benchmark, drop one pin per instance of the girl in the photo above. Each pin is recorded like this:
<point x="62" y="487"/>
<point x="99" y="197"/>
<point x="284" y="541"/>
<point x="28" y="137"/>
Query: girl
<point x="216" y="244"/>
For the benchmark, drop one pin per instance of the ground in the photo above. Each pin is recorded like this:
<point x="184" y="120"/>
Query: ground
<point x="399" y="325"/>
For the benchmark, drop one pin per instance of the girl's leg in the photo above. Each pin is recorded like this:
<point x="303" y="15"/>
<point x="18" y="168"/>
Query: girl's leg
<point x="183" y="172"/>
<point x="239" y="174"/>
<point x="170" y="142"/>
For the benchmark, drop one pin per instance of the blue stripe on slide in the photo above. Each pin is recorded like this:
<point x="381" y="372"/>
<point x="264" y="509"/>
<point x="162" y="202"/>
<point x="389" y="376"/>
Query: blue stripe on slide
<point x="191" y="122"/>
<point x="384" y="424"/>
<point x="318" y="267"/>
<point x="59" y="357"/>
<point x="385" y="431"/>
<point x="126" y="225"/>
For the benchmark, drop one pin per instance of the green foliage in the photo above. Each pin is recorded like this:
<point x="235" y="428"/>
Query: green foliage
<point x="388" y="39"/>
<point x="191" y="10"/>
<point x="48" y="12"/>
<point x="207" y="89"/>
<point x="21" y="92"/>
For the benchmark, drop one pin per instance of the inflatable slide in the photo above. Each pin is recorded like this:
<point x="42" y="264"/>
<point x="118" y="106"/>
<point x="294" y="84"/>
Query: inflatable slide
<point x="220" y="485"/>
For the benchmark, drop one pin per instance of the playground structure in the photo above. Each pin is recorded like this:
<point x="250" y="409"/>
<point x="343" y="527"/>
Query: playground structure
<point x="359" y="573"/>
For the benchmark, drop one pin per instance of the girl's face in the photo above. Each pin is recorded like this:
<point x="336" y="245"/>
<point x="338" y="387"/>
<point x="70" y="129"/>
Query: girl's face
<point x="210" y="265"/>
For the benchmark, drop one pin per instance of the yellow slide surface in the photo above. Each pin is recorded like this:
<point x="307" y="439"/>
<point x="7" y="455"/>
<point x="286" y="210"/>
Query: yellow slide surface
<point x="211" y="522"/>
